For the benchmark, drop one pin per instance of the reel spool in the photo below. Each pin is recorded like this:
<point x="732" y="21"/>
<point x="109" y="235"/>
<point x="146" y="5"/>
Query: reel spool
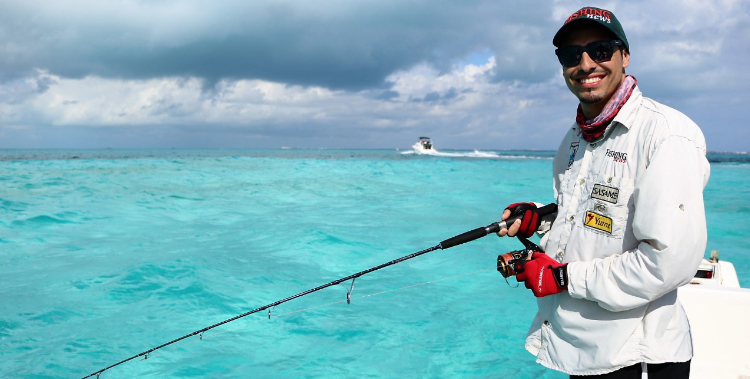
<point x="506" y="263"/>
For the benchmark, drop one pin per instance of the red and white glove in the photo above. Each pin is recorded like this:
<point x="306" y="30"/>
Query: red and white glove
<point x="530" y="221"/>
<point x="543" y="275"/>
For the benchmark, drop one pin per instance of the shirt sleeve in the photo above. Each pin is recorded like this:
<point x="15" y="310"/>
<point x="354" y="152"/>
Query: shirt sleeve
<point x="670" y="223"/>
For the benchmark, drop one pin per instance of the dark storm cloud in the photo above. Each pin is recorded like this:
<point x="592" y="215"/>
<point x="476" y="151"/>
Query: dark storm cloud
<point x="338" y="44"/>
<point x="343" y="73"/>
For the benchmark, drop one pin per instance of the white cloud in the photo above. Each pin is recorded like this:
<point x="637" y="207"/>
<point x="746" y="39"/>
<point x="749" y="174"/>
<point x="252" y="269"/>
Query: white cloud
<point x="462" y="102"/>
<point x="341" y="73"/>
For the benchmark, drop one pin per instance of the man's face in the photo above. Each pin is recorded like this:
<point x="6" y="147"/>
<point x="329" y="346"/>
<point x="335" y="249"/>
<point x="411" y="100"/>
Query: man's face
<point x="594" y="83"/>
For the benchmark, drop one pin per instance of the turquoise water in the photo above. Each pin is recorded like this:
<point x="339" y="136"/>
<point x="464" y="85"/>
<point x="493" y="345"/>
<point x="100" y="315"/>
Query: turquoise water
<point x="107" y="253"/>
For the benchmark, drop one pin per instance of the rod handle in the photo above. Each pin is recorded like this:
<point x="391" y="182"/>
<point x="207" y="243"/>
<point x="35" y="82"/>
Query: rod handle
<point x="471" y="235"/>
<point x="492" y="228"/>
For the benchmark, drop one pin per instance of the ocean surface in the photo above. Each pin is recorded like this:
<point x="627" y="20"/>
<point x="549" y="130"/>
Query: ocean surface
<point x="109" y="253"/>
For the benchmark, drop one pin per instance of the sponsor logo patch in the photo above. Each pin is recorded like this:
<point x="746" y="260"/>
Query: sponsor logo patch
<point x="605" y="193"/>
<point x="598" y="222"/>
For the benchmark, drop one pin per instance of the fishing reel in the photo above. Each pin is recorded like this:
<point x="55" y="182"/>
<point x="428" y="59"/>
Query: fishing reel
<point x="510" y="263"/>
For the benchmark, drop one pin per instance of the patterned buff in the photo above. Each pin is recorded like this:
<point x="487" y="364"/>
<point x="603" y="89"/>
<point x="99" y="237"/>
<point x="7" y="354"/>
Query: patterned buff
<point x="591" y="130"/>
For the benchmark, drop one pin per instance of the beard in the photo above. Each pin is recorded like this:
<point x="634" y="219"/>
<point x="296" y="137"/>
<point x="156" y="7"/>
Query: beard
<point x="591" y="98"/>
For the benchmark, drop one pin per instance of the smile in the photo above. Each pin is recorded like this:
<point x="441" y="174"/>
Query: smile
<point x="590" y="80"/>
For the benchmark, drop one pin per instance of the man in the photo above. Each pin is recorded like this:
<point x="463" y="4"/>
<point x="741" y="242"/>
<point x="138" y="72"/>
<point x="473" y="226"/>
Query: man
<point x="630" y="227"/>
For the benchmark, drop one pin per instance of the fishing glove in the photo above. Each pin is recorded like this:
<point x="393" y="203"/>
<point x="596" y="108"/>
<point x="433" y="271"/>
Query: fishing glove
<point x="543" y="275"/>
<point x="530" y="221"/>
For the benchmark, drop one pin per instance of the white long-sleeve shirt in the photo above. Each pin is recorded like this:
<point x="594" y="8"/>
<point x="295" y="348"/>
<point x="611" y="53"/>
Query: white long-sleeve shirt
<point x="632" y="228"/>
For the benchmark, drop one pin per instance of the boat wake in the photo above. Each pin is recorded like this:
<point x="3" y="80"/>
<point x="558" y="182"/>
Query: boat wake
<point x="436" y="153"/>
<point x="425" y="147"/>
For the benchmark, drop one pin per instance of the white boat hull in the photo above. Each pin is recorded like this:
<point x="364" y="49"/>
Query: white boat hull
<point x="419" y="149"/>
<point x="718" y="311"/>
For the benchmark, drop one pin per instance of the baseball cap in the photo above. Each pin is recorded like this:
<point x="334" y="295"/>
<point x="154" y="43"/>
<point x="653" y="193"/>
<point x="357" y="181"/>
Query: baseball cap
<point x="598" y="16"/>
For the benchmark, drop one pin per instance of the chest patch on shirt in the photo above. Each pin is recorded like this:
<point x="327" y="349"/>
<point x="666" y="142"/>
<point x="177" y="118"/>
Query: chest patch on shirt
<point x="605" y="193"/>
<point x="598" y="222"/>
<point x="617" y="156"/>
<point x="573" y="151"/>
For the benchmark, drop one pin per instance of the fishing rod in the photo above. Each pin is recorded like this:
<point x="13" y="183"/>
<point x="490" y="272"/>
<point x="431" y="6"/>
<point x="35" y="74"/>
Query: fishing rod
<point x="450" y="242"/>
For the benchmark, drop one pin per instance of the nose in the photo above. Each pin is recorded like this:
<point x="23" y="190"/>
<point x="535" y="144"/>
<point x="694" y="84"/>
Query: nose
<point x="586" y="64"/>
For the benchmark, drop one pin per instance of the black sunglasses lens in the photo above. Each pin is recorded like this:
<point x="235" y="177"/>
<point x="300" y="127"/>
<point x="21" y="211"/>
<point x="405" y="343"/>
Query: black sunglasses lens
<point x="600" y="51"/>
<point x="569" y="55"/>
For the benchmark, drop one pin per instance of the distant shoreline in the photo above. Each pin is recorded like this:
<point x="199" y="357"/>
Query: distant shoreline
<point x="295" y="148"/>
<point x="7" y="155"/>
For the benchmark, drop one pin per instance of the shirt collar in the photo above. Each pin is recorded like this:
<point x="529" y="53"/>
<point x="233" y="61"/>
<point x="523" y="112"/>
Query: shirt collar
<point x="626" y="115"/>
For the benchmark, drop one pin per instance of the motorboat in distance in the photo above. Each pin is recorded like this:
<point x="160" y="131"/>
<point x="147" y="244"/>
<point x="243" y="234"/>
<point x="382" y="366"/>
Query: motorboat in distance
<point x="423" y="145"/>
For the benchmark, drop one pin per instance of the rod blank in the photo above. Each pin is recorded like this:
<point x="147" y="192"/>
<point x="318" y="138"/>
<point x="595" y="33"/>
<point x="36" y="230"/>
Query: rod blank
<point x="451" y="242"/>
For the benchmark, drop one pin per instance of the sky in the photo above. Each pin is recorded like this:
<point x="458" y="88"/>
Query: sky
<point x="471" y="74"/>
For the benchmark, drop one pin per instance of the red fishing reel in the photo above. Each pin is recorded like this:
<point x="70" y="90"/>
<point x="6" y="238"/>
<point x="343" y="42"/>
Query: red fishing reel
<point x="509" y="264"/>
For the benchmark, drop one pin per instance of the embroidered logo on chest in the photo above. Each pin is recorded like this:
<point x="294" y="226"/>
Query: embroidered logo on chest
<point x="605" y="193"/>
<point x="617" y="156"/>
<point x="599" y="222"/>
<point x="573" y="151"/>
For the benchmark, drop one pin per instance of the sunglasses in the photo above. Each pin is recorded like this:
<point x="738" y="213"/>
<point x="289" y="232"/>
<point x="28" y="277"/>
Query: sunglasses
<point x="599" y="51"/>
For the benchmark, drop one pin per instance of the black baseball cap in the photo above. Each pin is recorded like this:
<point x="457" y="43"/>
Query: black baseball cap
<point x="597" y="16"/>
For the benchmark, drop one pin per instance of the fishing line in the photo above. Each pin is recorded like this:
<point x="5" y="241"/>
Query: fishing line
<point x="450" y="242"/>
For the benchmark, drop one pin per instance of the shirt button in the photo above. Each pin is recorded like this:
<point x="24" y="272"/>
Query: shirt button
<point x="593" y="144"/>
<point x="560" y="253"/>
<point x="572" y="218"/>
<point x="582" y="181"/>
<point x="609" y="180"/>
<point x="546" y="322"/>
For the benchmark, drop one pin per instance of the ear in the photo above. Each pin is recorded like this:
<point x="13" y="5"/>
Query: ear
<point x="625" y="59"/>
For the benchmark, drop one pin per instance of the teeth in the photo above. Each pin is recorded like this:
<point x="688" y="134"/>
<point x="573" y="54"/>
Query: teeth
<point x="590" y="80"/>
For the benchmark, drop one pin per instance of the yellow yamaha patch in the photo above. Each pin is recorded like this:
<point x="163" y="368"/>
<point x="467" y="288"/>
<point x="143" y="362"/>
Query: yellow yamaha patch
<point x="599" y="222"/>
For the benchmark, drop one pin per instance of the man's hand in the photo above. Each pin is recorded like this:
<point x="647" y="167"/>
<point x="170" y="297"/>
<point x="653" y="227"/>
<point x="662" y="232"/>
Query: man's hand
<point x="526" y="225"/>
<point x="543" y="275"/>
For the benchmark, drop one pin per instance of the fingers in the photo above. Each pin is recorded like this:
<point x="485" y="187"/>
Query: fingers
<point x="521" y="276"/>
<point x="510" y="232"/>
<point x="504" y="231"/>
<point x="506" y="214"/>
<point x="513" y="230"/>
